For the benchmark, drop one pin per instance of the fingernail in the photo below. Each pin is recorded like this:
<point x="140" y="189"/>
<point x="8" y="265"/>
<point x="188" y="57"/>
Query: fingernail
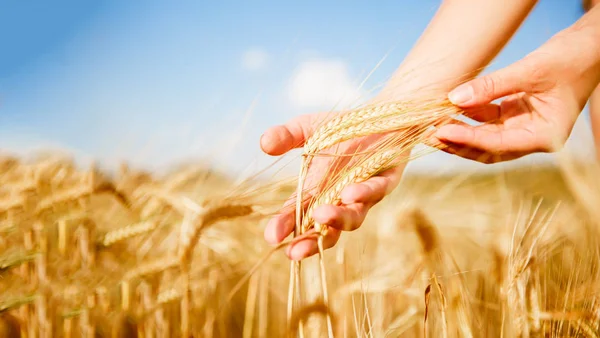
<point x="461" y="95"/>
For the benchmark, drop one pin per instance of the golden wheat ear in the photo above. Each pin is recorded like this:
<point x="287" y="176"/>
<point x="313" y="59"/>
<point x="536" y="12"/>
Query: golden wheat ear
<point x="380" y="119"/>
<point x="205" y="217"/>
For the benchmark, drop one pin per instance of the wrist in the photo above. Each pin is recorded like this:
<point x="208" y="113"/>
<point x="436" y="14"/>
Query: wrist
<point x="413" y="84"/>
<point x="582" y="40"/>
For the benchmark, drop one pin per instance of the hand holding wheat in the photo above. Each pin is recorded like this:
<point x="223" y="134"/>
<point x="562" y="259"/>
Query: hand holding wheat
<point x="336" y="189"/>
<point x="356" y="199"/>
<point x="545" y="93"/>
<point x="350" y="164"/>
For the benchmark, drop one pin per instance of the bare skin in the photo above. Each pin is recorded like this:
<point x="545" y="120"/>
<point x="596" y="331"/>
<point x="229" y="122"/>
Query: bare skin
<point x="594" y="103"/>
<point x="471" y="50"/>
<point x="543" y="93"/>
<point x="595" y="118"/>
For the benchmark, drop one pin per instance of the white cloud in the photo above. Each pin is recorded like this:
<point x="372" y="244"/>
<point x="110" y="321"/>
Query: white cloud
<point x="323" y="84"/>
<point x="254" y="59"/>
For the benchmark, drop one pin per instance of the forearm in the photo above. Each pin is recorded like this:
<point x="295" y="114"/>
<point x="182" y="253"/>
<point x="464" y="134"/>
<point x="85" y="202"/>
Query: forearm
<point x="594" y="101"/>
<point x="462" y="39"/>
<point x="594" y="109"/>
<point x="575" y="51"/>
<point x="588" y="27"/>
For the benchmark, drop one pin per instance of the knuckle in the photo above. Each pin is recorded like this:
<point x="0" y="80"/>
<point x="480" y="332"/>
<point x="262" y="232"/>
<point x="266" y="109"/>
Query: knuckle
<point x="539" y="70"/>
<point x="537" y="76"/>
<point x="355" y="226"/>
<point x="488" y="86"/>
<point x="357" y="219"/>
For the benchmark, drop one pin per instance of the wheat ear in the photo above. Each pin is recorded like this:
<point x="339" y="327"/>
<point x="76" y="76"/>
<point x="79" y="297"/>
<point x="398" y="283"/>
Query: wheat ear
<point x="127" y="232"/>
<point x="152" y="267"/>
<point x="379" y="119"/>
<point x="372" y="166"/>
<point x="190" y="231"/>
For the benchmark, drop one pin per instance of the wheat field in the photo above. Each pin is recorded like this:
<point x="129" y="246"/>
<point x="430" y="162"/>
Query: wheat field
<point x="88" y="253"/>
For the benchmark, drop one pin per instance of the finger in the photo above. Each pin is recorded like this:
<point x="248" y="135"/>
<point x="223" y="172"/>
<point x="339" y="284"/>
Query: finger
<point x="435" y="142"/>
<point x="280" y="139"/>
<point x="372" y="190"/>
<point x="308" y="247"/>
<point x="279" y="227"/>
<point x="493" y="139"/>
<point x="485" y="113"/>
<point x="344" y="217"/>
<point x="478" y="155"/>
<point x="283" y="224"/>
<point x="518" y="77"/>
<point x="471" y="154"/>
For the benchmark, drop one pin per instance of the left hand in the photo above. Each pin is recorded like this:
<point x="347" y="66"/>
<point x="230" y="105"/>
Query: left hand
<point x="545" y="93"/>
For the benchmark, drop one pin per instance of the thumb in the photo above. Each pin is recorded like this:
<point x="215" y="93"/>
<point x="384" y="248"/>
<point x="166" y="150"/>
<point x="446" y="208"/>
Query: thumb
<point x="280" y="139"/>
<point x="510" y="80"/>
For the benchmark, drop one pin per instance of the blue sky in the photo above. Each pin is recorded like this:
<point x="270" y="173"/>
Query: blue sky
<point x="155" y="82"/>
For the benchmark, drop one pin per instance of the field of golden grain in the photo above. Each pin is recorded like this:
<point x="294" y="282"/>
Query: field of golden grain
<point x="91" y="254"/>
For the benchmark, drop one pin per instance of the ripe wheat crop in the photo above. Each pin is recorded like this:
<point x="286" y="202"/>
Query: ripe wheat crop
<point x="86" y="253"/>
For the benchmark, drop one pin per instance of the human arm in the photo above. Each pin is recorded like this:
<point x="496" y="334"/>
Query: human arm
<point x="544" y="94"/>
<point x="594" y="102"/>
<point x="594" y="108"/>
<point x="461" y="39"/>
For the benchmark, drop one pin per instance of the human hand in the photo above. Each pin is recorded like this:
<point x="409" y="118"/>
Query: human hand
<point x="356" y="199"/>
<point x="545" y="93"/>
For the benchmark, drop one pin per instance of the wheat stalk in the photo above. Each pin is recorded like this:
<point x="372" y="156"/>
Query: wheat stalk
<point x="203" y="218"/>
